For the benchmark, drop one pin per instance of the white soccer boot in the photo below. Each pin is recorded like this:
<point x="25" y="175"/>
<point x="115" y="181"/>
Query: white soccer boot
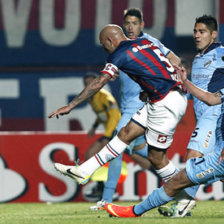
<point x="100" y="205"/>
<point x="179" y="209"/>
<point x="72" y="171"/>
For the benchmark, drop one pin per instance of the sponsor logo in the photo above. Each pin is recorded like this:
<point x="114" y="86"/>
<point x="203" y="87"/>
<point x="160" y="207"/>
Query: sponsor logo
<point x="180" y="212"/>
<point x="207" y="140"/>
<point x="139" y="48"/>
<point x="73" y="174"/>
<point x="162" y="139"/>
<point x="204" y="173"/>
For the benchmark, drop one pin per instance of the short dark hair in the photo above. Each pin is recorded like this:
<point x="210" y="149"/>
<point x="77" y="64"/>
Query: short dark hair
<point x="90" y="75"/>
<point x="209" y="21"/>
<point x="134" y="12"/>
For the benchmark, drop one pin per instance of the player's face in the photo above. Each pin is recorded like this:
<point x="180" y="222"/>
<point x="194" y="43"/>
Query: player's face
<point x="132" y="26"/>
<point x="203" y="37"/>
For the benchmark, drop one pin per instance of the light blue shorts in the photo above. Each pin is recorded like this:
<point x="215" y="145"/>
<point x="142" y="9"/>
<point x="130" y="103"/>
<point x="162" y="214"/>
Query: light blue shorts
<point x="203" y="137"/>
<point x="205" y="170"/>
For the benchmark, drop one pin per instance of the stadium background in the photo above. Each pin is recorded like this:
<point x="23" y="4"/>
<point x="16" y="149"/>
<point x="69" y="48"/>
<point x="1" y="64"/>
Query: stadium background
<point x="46" y="47"/>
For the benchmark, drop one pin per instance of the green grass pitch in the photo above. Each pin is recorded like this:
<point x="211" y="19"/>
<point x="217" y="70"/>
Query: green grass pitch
<point x="206" y="212"/>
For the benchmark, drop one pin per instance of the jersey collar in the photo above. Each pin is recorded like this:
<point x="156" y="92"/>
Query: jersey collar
<point x="211" y="47"/>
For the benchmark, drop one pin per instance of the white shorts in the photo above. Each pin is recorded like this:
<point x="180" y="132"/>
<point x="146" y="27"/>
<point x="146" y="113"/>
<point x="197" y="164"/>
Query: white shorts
<point x="160" y="119"/>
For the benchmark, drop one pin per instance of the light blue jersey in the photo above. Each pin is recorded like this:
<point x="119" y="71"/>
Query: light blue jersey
<point x="129" y="91"/>
<point x="206" y="169"/>
<point x="207" y="74"/>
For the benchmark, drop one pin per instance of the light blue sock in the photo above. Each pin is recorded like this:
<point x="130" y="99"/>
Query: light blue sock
<point x="156" y="198"/>
<point x="192" y="191"/>
<point x="114" y="172"/>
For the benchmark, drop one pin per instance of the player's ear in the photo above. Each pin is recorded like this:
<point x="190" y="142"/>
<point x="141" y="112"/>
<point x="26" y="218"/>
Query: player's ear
<point x="110" y="41"/>
<point x="142" y="24"/>
<point x="214" y="34"/>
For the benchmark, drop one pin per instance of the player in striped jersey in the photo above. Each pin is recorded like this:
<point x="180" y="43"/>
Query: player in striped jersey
<point x="130" y="103"/>
<point x="143" y="61"/>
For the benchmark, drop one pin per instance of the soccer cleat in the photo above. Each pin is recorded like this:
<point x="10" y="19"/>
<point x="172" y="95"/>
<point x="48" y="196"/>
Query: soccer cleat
<point x="93" y="191"/>
<point x="100" y="205"/>
<point x="72" y="171"/>
<point x="165" y="211"/>
<point x="120" y="211"/>
<point x="179" y="209"/>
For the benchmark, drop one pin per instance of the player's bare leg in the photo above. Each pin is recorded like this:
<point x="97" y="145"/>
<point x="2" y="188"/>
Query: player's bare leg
<point x="181" y="200"/>
<point x="174" y="186"/>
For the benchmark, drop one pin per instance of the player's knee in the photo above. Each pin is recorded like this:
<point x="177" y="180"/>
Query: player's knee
<point x="125" y="135"/>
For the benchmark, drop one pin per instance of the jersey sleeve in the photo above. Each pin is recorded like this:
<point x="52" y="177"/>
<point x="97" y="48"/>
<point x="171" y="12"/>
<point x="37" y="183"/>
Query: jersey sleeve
<point x="114" y="62"/>
<point x="110" y="69"/>
<point x="163" y="49"/>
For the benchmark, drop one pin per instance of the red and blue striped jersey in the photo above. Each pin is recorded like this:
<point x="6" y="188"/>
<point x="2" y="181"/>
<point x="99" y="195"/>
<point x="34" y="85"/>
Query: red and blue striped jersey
<point x="144" y="62"/>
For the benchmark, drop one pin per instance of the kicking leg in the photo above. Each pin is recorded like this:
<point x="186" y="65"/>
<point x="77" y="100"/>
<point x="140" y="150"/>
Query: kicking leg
<point x="112" y="150"/>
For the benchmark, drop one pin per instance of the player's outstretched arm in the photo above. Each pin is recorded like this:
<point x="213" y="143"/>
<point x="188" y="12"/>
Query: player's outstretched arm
<point x="87" y="92"/>
<point x="207" y="97"/>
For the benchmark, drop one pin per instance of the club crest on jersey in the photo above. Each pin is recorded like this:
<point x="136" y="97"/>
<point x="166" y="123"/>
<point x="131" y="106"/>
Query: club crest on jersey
<point x="162" y="139"/>
<point x="206" y="64"/>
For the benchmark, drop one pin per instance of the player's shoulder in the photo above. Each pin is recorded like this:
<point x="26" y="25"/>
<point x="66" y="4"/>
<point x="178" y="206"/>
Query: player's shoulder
<point x="149" y="37"/>
<point x="120" y="50"/>
<point x="118" y="57"/>
<point x="216" y="47"/>
<point x="220" y="50"/>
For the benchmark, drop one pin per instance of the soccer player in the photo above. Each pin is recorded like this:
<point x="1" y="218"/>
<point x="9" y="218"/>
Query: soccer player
<point x="132" y="25"/>
<point x="144" y="62"/>
<point x="107" y="113"/>
<point x="200" y="170"/>
<point x="207" y="73"/>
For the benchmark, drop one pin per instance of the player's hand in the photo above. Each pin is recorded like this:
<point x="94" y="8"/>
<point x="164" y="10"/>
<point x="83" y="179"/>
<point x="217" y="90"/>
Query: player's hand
<point x="181" y="71"/>
<point x="114" y="77"/>
<point x="143" y="96"/>
<point x="59" y="112"/>
<point x="221" y="157"/>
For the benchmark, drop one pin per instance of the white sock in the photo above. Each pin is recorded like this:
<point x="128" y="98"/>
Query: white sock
<point x="110" y="151"/>
<point x="167" y="172"/>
